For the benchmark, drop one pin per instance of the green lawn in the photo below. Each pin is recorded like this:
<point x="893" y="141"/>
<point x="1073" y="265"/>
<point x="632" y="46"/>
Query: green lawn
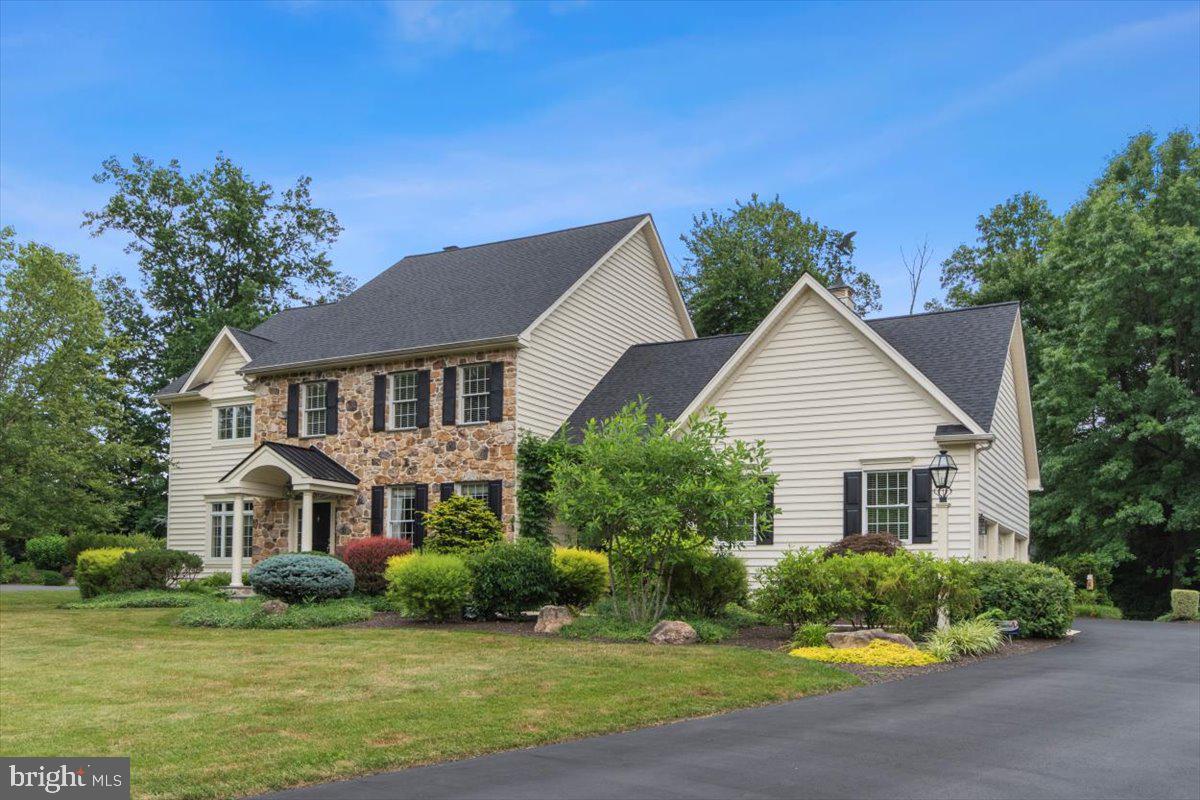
<point x="219" y="713"/>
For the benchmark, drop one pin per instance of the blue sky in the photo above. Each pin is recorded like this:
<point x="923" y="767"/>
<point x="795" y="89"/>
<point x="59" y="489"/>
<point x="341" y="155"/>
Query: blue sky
<point x="427" y="124"/>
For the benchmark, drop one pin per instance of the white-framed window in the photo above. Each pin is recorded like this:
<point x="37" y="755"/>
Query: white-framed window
<point x="402" y="518"/>
<point x="221" y="525"/>
<point x="476" y="489"/>
<point x="474" y="393"/>
<point x="888" y="503"/>
<point x="314" y="409"/>
<point x="235" y="422"/>
<point x="404" y="399"/>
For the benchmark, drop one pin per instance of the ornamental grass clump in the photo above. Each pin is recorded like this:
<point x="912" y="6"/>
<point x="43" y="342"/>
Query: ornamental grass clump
<point x="972" y="637"/>
<point x="879" y="653"/>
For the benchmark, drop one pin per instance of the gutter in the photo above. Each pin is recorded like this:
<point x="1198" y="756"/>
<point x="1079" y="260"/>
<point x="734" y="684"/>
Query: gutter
<point x="380" y="355"/>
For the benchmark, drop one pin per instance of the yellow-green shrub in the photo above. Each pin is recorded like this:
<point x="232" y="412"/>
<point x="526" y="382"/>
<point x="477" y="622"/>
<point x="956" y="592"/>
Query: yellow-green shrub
<point x="879" y="653"/>
<point x="1185" y="604"/>
<point x="581" y="576"/>
<point x="96" y="570"/>
<point x="428" y="585"/>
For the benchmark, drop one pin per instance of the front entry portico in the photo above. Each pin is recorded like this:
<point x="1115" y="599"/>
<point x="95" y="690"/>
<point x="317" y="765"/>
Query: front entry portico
<point x="276" y="471"/>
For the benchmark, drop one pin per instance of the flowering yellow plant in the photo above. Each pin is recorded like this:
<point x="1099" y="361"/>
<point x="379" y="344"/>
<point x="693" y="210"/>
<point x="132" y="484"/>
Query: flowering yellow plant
<point x="879" y="653"/>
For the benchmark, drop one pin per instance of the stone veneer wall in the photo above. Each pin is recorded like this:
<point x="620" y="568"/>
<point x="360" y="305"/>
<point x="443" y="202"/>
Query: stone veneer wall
<point x="433" y="455"/>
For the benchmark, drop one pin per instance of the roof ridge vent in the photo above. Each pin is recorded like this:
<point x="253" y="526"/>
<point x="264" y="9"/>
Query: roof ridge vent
<point x="450" y="247"/>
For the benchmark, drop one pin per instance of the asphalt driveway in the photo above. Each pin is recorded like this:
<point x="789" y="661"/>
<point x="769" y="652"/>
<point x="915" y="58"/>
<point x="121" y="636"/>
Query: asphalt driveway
<point x="1113" y="714"/>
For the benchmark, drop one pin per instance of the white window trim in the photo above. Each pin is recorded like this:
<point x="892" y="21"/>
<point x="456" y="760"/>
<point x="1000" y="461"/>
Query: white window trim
<point x="304" y="409"/>
<point x="209" y="502"/>
<point x="411" y="537"/>
<point x="391" y="407"/>
<point x="460" y="395"/>
<point x="458" y="489"/>
<point x="216" y="426"/>
<point x="865" y="514"/>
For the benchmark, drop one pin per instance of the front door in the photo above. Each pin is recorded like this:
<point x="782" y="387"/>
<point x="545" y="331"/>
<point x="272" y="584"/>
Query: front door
<point x="322" y="525"/>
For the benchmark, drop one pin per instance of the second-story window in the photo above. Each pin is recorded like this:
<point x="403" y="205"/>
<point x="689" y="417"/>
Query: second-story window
<point x="474" y="392"/>
<point x="314" y="409"/>
<point x="404" y="399"/>
<point x="234" y="422"/>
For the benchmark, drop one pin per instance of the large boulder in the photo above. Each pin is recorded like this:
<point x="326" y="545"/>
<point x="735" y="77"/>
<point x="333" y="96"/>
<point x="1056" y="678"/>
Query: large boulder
<point x="274" y="607"/>
<point x="551" y="619"/>
<point x="673" y="631"/>
<point x="844" y="639"/>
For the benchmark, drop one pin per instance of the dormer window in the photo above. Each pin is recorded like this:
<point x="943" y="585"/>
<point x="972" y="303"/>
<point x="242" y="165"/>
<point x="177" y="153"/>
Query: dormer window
<point x="314" y="409"/>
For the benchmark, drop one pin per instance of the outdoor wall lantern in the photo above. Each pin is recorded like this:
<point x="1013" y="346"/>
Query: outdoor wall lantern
<point x="943" y="470"/>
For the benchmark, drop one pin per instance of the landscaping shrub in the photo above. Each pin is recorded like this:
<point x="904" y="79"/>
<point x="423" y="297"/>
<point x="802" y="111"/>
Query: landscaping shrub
<point x="1185" y="604"/>
<point x="151" y="598"/>
<point x="47" y="552"/>
<point x="1038" y="596"/>
<point x="580" y="576"/>
<point x="798" y="589"/>
<point x="368" y="558"/>
<point x="916" y="585"/>
<point x="428" y="585"/>
<point x="858" y="580"/>
<point x="1078" y="566"/>
<point x="249" y="614"/>
<point x="879" y="653"/>
<point x="208" y="584"/>
<point x="139" y="570"/>
<point x="971" y="637"/>
<point x="299" y="577"/>
<point x="611" y="627"/>
<point x="811" y="634"/>
<point x="52" y="577"/>
<point x="705" y="582"/>
<point x="78" y="542"/>
<point x="739" y="616"/>
<point x="461" y="524"/>
<point x="97" y="570"/>
<point x="507" y="579"/>
<point x="883" y="543"/>
<point x="1097" y="611"/>
<point x="21" y="572"/>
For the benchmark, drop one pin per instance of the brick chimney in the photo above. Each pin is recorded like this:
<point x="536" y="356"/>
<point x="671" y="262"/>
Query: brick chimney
<point x="844" y="293"/>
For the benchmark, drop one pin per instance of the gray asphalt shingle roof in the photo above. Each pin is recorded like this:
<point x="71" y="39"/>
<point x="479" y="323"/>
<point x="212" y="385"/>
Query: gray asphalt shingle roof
<point x="460" y="295"/>
<point x="961" y="351"/>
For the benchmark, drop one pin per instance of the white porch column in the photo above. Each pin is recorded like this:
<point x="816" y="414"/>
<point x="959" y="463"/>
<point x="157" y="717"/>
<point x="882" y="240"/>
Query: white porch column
<point x="235" y="551"/>
<point x="993" y="541"/>
<point x="943" y="529"/>
<point x="306" y="522"/>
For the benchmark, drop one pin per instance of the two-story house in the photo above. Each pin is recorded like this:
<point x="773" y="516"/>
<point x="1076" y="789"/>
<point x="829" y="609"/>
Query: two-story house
<point x="345" y="420"/>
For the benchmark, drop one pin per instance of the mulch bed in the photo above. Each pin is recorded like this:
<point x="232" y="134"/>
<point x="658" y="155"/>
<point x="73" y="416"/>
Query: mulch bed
<point x="758" y="637"/>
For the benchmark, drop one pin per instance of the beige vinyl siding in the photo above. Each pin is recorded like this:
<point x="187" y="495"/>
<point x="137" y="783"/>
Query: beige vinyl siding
<point x="622" y="303"/>
<point x="198" y="461"/>
<point x="1003" y="492"/>
<point x="826" y="402"/>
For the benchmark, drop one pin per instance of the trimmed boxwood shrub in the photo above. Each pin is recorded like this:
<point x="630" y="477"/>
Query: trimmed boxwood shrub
<point x="580" y="576"/>
<point x="706" y="582"/>
<point x="428" y="585"/>
<point x="300" y="578"/>
<point x="78" y="542"/>
<point x="96" y="570"/>
<point x="1185" y="604"/>
<point x="368" y="558"/>
<point x="1038" y="596"/>
<point x="47" y="552"/>
<point x="507" y="579"/>
<point x="883" y="543"/>
<point x="461" y="524"/>
<point x="155" y="569"/>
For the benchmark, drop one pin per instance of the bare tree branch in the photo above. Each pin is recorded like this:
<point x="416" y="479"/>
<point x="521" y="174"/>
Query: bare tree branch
<point x="915" y="267"/>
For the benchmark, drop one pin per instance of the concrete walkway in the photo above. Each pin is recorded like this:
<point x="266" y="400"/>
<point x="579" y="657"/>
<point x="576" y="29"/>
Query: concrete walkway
<point x="1113" y="714"/>
<point x="33" y="587"/>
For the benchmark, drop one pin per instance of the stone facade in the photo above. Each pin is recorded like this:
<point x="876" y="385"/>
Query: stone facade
<point x="432" y="455"/>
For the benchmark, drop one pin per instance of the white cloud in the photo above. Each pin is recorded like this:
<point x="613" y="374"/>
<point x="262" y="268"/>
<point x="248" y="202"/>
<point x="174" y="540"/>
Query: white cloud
<point x="446" y="25"/>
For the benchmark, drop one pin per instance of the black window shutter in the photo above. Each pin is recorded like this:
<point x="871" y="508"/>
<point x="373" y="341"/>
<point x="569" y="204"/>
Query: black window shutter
<point x="496" y="498"/>
<point x="766" y="520"/>
<point x="423" y="399"/>
<point x="446" y="491"/>
<point x="379" y="406"/>
<point x="331" y="405"/>
<point x="420" y="505"/>
<point x="496" y="392"/>
<point x="377" y="510"/>
<point x="922" y="506"/>
<point x="851" y="503"/>
<point x="293" y="410"/>
<point x="449" y="395"/>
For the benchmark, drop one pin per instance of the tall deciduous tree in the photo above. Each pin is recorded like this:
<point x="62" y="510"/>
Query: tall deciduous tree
<point x="58" y="401"/>
<point x="1118" y="400"/>
<point x="742" y="262"/>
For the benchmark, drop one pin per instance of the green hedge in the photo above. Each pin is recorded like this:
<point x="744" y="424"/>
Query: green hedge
<point x="507" y="579"/>
<point x="706" y="582"/>
<point x="97" y="570"/>
<point x="1185" y="604"/>
<point x="1038" y="596"/>
<point x="48" y="552"/>
<point x="78" y="542"/>
<point x="429" y="585"/>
